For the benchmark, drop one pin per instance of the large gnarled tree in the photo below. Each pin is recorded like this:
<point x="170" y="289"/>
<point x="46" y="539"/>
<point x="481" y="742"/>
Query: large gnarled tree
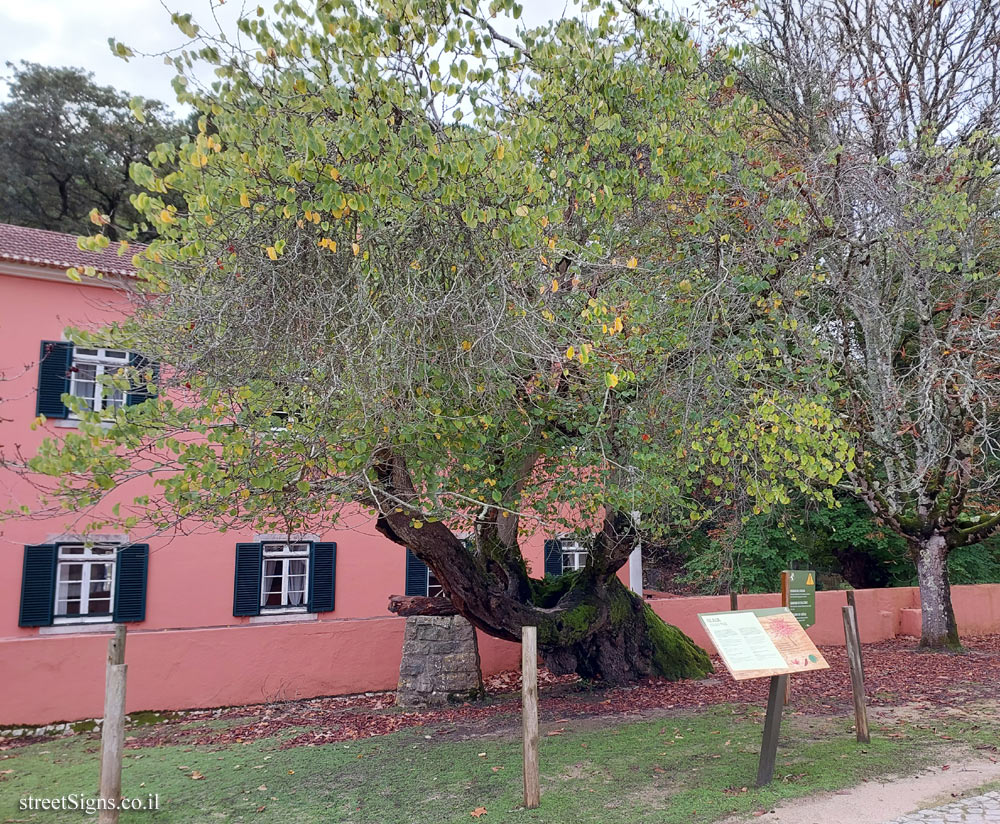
<point x="465" y="281"/>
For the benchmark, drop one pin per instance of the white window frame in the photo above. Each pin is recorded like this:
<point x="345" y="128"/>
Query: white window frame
<point x="87" y="556"/>
<point x="434" y="588"/>
<point x="285" y="551"/>
<point x="104" y="364"/>
<point x="577" y="553"/>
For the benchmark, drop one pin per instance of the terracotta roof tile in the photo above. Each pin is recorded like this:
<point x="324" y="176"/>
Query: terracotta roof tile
<point x="40" y="247"/>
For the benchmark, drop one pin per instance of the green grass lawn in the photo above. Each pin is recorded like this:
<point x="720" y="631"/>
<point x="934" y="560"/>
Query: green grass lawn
<point x="684" y="768"/>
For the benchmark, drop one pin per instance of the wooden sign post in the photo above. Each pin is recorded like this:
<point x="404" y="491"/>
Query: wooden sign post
<point x="764" y="643"/>
<point x="113" y="728"/>
<point x="529" y="715"/>
<point x="772" y="729"/>
<point x="798" y="593"/>
<point x="857" y="674"/>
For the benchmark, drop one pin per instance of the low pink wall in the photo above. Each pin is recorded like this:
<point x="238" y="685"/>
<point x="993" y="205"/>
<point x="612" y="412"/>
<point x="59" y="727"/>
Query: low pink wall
<point x="61" y="677"/>
<point x="880" y="612"/>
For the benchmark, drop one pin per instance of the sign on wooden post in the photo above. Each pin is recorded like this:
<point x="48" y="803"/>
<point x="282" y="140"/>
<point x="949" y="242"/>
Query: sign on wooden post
<point x="764" y="643"/>
<point x="113" y="728"/>
<point x="529" y="715"/>
<point x="798" y="593"/>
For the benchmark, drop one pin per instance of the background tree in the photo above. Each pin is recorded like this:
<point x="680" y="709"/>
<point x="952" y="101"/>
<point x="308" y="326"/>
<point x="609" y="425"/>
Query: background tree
<point x="68" y="144"/>
<point x="883" y="115"/>
<point x="465" y="281"/>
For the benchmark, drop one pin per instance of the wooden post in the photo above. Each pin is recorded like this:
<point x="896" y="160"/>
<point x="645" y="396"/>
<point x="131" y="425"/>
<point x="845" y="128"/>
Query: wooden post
<point x="113" y="726"/>
<point x="857" y="674"/>
<point x="853" y="605"/>
<point x="733" y="598"/>
<point x="529" y="715"/>
<point x="772" y="729"/>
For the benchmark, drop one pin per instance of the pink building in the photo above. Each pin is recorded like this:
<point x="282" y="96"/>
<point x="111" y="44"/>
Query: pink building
<point x="214" y="619"/>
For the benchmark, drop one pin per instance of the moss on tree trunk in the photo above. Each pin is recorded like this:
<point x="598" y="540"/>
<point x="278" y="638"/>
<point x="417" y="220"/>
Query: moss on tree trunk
<point x="613" y="635"/>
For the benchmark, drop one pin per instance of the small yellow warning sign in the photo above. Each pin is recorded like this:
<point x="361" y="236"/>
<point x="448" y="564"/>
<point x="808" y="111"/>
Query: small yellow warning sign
<point x="809" y="580"/>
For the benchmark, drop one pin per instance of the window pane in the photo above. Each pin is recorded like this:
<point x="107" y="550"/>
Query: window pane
<point x="296" y="582"/>
<point x="114" y="353"/>
<point x="84" y="382"/>
<point x="78" y="351"/>
<point x="271" y="585"/>
<point x="115" y="399"/>
<point x="434" y="588"/>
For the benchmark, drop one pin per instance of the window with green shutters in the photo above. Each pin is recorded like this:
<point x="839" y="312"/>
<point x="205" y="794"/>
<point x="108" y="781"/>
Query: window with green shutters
<point x="277" y="577"/>
<point x="67" y="370"/>
<point x="564" y="555"/>
<point x="417" y="576"/>
<point x="71" y="583"/>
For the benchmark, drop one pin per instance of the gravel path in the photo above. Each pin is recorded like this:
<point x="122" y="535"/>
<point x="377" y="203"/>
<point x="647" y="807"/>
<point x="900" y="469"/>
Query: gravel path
<point x="979" y="809"/>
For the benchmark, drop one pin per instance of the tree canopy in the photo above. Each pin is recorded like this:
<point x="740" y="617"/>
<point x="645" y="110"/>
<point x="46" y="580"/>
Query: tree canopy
<point x="68" y="144"/>
<point x="473" y="283"/>
<point x="889" y="260"/>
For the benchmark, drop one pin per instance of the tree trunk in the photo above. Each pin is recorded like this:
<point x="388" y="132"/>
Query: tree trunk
<point x="634" y="642"/>
<point x="938" y="627"/>
<point x="587" y="621"/>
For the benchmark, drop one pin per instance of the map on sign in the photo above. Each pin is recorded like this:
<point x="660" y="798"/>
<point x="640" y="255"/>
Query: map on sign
<point x="798" y="593"/>
<point x="761" y="642"/>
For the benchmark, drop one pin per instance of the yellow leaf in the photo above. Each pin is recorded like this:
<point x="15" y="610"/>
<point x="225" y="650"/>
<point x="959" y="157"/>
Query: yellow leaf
<point x="521" y="211"/>
<point x="244" y="200"/>
<point x="335" y="174"/>
<point x="166" y="217"/>
<point x="570" y="351"/>
<point x="466" y="345"/>
<point x="356" y="249"/>
<point x="632" y="263"/>
<point x="272" y="253"/>
<point x="417" y="524"/>
<point x="612" y="380"/>
<point x="500" y="151"/>
<point x="555" y="285"/>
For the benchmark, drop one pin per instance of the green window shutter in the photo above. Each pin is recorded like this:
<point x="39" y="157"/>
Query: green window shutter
<point x="416" y="574"/>
<point x="141" y="391"/>
<point x="246" y="589"/>
<point x="553" y="558"/>
<point x="131" y="571"/>
<point x="322" y="577"/>
<point x="55" y="359"/>
<point x="38" y="586"/>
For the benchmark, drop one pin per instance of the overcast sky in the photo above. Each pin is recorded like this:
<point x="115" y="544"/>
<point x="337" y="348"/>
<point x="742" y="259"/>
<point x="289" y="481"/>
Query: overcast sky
<point x="76" y="32"/>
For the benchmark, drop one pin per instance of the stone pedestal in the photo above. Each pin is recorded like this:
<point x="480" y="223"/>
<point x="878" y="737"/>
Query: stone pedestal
<point x="440" y="662"/>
